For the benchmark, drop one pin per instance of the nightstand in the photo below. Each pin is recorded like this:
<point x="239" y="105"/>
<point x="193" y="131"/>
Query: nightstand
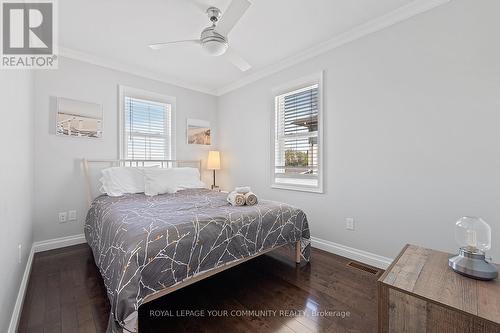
<point x="419" y="292"/>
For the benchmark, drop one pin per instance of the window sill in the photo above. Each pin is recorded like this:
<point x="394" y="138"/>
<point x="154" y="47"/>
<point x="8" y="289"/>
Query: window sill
<point x="297" y="188"/>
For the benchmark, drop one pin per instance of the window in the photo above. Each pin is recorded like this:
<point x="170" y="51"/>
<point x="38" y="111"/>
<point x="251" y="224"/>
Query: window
<point x="297" y="137"/>
<point x="146" y="125"/>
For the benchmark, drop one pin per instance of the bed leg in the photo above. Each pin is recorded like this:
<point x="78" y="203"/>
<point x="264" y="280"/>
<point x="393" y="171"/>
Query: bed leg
<point x="297" y="252"/>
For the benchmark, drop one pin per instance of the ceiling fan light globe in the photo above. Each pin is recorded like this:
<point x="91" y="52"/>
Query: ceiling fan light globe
<point x="215" y="48"/>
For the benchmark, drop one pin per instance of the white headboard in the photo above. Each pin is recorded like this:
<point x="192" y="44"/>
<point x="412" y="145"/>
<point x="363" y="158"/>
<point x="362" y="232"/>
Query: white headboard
<point x="92" y="170"/>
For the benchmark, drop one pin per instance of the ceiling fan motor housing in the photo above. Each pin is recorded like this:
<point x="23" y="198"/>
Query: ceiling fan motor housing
<point x="214" y="43"/>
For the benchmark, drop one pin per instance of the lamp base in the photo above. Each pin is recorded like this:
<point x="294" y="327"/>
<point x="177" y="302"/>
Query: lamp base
<point x="473" y="265"/>
<point x="214" y="187"/>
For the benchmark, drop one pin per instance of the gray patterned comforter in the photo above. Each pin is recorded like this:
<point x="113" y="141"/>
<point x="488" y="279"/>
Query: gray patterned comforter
<point x="144" y="244"/>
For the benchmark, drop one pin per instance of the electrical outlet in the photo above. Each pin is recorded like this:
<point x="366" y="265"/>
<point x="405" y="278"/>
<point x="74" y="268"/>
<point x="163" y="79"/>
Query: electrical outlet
<point x="349" y="223"/>
<point x="19" y="253"/>
<point x="63" y="217"/>
<point x="72" y="215"/>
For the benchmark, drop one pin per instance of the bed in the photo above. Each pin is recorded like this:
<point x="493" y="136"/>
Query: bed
<point x="146" y="247"/>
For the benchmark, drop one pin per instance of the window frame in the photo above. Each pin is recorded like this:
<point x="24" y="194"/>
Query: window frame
<point x="301" y="83"/>
<point x="124" y="91"/>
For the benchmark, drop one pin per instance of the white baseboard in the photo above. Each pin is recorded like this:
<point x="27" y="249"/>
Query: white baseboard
<point x="57" y="243"/>
<point x="351" y="253"/>
<point x="14" y="319"/>
<point x="46" y="245"/>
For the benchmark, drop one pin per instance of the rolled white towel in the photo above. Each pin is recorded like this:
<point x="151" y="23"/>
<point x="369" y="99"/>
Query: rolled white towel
<point x="243" y="189"/>
<point x="251" y="199"/>
<point x="236" y="199"/>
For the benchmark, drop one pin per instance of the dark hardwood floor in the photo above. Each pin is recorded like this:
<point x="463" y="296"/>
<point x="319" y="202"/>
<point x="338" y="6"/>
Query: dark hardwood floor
<point x="268" y="294"/>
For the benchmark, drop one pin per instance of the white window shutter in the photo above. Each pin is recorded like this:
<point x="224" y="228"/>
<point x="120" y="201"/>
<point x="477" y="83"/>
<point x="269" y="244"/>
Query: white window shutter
<point x="296" y="138"/>
<point x="147" y="129"/>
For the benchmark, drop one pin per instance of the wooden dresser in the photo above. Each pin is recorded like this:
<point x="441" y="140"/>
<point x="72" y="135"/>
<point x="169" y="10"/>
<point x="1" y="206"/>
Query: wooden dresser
<point x="420" y="293"/>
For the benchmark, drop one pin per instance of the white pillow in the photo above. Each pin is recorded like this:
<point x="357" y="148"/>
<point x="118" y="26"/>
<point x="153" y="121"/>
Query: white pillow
<point x="160" y="181"/>
<point x="117" y="181"/>
<point x="188" y="178"/>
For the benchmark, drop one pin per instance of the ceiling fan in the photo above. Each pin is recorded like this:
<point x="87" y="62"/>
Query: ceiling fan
<point x="213" y="39"/>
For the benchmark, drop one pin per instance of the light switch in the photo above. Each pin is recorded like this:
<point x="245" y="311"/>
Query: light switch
<point x="72" y="215"/>
<point x="349" y="223"/>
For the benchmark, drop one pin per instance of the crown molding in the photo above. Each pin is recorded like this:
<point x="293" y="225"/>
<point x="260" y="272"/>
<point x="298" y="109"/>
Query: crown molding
<point x="134" y="70"/>
<point x="401" y="14"/>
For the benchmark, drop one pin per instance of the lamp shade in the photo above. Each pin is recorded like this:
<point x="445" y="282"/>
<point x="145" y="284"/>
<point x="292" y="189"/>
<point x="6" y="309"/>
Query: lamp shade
<point x="473" y="233"/>
<point x="213" y="162"/>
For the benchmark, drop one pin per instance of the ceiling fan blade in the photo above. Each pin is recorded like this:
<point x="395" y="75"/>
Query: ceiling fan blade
<point x="201" y="5"/>
<point x="158" y="46"/>
<point x="231" y="16"/>
<point x="237" y="60"/>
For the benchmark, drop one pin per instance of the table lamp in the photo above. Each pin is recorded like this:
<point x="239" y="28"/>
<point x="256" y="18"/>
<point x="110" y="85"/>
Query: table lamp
<point x="474" y="236"/>
<point x="213" y="163"/>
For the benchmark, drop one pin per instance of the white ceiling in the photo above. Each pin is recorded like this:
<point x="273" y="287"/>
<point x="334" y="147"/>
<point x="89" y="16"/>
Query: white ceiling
<point x="271" y="30"/>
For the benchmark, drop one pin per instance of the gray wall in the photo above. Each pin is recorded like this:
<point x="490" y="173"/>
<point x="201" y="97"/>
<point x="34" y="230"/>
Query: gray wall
<point x="412" y="139"/>
<point x="16" y="177"/>
<point x="59" y="182"/>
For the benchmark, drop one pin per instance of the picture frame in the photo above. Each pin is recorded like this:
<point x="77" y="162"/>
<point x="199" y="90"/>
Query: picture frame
<point x="198" y="132"/>
<point x="78" y="119"/>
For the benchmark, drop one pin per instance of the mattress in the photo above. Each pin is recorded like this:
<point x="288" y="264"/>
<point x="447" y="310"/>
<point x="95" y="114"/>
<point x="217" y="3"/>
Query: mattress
<point x="143" y="244"/>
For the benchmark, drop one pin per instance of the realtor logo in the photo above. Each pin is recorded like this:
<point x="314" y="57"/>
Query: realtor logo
<point x="28" y="34"/>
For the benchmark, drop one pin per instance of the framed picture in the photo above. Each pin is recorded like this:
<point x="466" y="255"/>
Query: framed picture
<point x="198" y="132"/>
<point x="78" y="119"/>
